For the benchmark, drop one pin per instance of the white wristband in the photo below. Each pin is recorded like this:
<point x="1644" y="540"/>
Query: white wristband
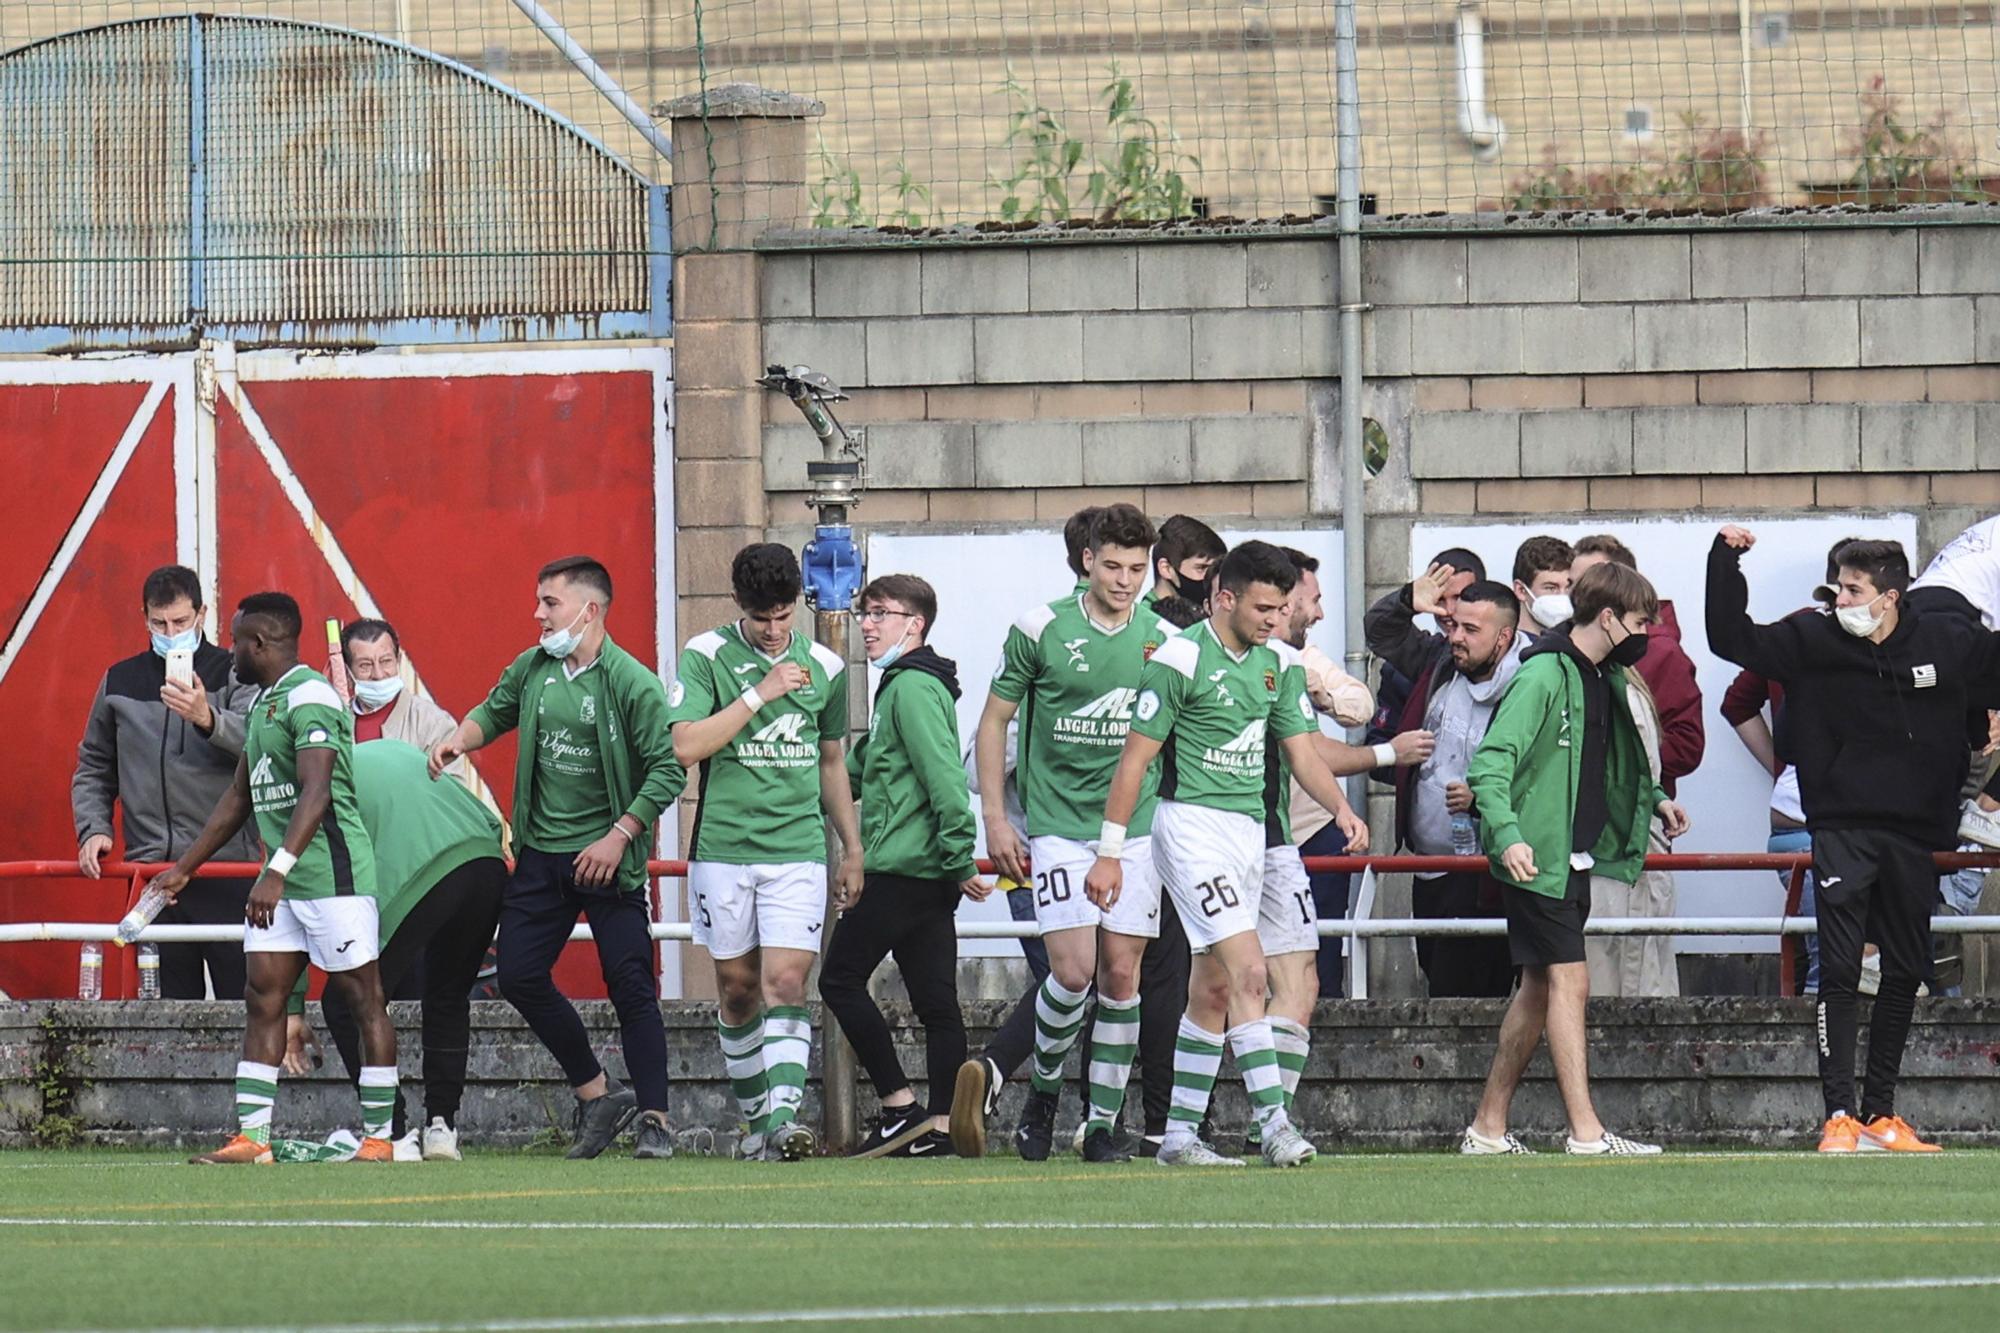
<point x="751" y="699"/>
<point x="620" y="830"/>
<point x="1111" y="840"/>
<point x="281" y="863"/>
<point x="1385" y="755"/>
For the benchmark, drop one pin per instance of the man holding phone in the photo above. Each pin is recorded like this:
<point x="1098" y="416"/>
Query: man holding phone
<point x="164" y="734"/>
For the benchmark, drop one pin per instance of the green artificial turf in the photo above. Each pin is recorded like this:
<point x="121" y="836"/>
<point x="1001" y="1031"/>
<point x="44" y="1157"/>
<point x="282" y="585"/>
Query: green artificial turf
<point x="999" y="1243"/>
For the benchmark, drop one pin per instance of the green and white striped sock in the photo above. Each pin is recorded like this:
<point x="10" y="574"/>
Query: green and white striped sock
<point x="1251" y="1044"/>
<point x="743" y="1056"/>
<point x="378" y="1100"/>
<point x="1197" y="1057"/>
<point x="1293" y="1042"/>
<point x="256" y="1094"/>
<point x="1111" y="1047"/>
<point x="1058" y="1020"/>
<point x="788" y="1039"/>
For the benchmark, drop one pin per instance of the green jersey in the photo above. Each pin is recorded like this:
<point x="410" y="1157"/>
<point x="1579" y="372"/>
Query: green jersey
<point x="1214" y="710"/>
<point x="298" y="712"/>
<point x="571" y="808"/>
<point x="760" y="793"/>
<point x="1076" y="681"/>
<point x="1277" y="768"/>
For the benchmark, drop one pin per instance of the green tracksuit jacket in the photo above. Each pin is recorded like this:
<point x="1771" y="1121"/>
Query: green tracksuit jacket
<point x="916" y="808"/>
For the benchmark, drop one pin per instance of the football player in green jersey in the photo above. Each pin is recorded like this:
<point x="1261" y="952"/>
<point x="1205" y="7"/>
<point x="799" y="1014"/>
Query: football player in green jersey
<point x="1209" y="702"/>
<point x="763" y="710"/>
<point x="1071" y="669"/>
<point x="316" y="895"/>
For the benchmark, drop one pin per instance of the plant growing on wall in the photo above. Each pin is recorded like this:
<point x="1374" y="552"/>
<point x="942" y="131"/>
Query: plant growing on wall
<point x="1141" y="180"/>
<point x="1707" y="170"/>
<point x="1898" y="163"/>
<point x="840" y="200"/>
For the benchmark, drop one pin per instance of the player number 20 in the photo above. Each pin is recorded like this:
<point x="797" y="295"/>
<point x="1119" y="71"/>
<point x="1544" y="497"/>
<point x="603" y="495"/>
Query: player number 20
<point x="1052" y="887"/>
<point x="1217" y="895"/>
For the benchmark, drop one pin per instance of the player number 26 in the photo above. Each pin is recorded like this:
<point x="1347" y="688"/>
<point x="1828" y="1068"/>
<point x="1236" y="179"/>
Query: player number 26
<point x="1217" y="895"/>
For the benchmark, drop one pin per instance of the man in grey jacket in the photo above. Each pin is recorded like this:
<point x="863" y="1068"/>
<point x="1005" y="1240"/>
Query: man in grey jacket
<point x="164" y="753"/>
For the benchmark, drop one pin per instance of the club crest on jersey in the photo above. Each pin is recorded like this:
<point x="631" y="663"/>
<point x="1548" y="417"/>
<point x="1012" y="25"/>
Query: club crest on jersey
<point x="1146" y="651"/>
<point x="1075" y="649"/>
<point x="1270" y="682"/>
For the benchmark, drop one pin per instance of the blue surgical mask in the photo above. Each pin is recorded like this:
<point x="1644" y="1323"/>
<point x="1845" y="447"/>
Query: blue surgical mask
<point x="186" y="641"/>
<point x="560" y="643"/>
<point x="883" y="662"/>
<point x="377" y="693"/>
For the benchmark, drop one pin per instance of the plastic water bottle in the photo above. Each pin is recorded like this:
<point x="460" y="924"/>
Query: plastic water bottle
<point x="151" y="903"/>
<point x="149" y="971"/>
<point x="1464" y="838"/>
<point x="90" y="971"/>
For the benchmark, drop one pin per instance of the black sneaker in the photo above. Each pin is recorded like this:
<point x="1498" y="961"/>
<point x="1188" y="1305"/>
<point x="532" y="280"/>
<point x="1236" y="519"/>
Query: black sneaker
<point x="1101" y="1147"/>
<point x="1036" y="1133"/>
<point x="600" y="1121"/>
<point x="656" y="1139"/>
<point x="893" y="1129"/>
<point x="974" y="1097"/>
<point x="932" y="1144"/>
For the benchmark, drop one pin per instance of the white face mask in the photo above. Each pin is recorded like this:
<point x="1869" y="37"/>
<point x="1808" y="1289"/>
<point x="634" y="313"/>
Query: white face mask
<point x="1551" y="609"/>
<point x="560" y="643"/>
<point x="1860" y="621"/>
<point x="378" y="693"/>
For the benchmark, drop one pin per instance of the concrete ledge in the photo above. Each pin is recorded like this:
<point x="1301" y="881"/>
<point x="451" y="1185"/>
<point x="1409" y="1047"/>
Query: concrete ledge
<point x="1388" y="1073"/>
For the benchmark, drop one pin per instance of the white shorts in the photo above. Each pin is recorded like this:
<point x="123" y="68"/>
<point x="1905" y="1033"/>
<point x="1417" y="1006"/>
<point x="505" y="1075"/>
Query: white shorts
<point x="735" y="909"/>
<point x="338" y="934"/>
<point x="1286" y="919"/>
<point x="1060" y="866"/>
<point x="1212" y="862"/>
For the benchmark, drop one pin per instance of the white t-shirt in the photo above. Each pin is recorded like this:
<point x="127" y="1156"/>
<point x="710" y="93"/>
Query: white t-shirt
<point x="1970" y="565"/>
<point x="1785" y="798"/>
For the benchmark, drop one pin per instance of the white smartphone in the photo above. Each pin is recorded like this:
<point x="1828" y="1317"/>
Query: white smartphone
<point x="180" y="666"/>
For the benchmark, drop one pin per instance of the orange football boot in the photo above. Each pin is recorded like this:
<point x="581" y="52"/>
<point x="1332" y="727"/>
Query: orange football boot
<point x="1892" y="1133"/>
<point x="1842" y="1134"/>
<point x="239" y="1151"/>
<point x="376" y="1150"/>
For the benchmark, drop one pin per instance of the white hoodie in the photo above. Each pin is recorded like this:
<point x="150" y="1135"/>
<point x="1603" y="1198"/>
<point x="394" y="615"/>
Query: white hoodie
<point x="1970" y="565"/>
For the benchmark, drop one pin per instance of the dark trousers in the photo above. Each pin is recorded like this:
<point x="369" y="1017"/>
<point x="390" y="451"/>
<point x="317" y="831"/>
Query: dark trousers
<point x="1163" y="983"/>
<point x="540" y="907"/>
<point x="1460" y="965"/>
<point x="1021" y="906"/>
<point x="204" y="902"/>
<point x="910" y="919"/>
<point x="1879" y="886"/>
<point x="1332" y="892"/>
<point x="444" y="939"/>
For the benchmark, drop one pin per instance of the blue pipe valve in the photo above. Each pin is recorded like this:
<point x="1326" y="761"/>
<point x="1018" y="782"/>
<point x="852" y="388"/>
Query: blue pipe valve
<point x="831" y="566"/>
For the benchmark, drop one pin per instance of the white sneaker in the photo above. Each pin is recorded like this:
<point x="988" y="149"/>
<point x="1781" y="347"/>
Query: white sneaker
<point x="1288" y="1147"/>
<point x="1193" y="1153"/>
<point x="407" y="1148"/>
<point x="1611" y="1146"/>
<point x="1980" y="826"/>
<point x="1475" y="1144"/>
<point x="441" y="1142"/>
<point x="1076" y="1144"/>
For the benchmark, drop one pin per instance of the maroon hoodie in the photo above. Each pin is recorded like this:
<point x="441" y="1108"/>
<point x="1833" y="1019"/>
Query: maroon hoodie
<point x="1669" y="673"/>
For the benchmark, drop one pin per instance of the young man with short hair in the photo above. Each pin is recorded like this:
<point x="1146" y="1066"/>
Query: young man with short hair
<point x="917" y="838"/>
<point x="1667" y="670"/>
<point x="763" y="710"/>
<point x="1209" y="701"/>
<point x="1875" y="702"/>
<point x="1184" y="559"/>
<point x="1541" y="582"/>
<point x="315" y="898"/>
<point x="595" y="771"/>
<point x="1562" y="788"/>
<point x="1071" y="669"/>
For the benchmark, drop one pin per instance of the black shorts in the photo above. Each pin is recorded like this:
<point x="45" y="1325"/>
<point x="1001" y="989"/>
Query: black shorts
<point x="1543" y="930"/>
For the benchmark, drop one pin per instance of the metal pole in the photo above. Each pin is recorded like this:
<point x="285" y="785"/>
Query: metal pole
<point x="1353" y="474"/>
<point x="599" y="79"/>
<point x="838" y="1067"/>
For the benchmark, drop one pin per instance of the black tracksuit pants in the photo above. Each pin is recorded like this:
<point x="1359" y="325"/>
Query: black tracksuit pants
<point x="910" y="919"/>
<point x="1163" y="985"/>
<point x="1880" y="886"/>
<point x="204" y="902"/>
<point x="443" y="940"/>
<point x="537" y="913"/>
<point x="1457" y="966"/>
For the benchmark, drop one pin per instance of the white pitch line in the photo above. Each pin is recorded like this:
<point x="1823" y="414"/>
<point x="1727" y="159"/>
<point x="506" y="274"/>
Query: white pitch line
<point x="1336" y="1301"/>
<point x="447" y="1224"/>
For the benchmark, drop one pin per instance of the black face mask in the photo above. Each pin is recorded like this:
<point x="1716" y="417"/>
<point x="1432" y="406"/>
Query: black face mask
<point x="1628" y="651"/>
<point x="1195" y="590"/>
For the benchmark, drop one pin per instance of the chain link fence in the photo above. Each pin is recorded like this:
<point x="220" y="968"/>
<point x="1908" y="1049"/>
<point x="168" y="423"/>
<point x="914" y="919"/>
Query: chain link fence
<point x="957" y="112"/>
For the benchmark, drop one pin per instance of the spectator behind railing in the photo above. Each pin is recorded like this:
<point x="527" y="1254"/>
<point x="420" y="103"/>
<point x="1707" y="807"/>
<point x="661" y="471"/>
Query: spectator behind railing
<point x="1666" y="669"/>
<point x="164" y="751"/>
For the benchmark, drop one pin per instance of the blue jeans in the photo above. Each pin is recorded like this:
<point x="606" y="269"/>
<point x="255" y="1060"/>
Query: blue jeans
<point x="1800" y="840"/>
<point x="1331" y="894"/>
<point x="1021" y="906"/>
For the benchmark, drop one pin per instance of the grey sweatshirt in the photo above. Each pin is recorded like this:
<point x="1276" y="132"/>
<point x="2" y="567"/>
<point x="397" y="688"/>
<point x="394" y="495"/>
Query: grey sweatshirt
<point x="165" y="774"/>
